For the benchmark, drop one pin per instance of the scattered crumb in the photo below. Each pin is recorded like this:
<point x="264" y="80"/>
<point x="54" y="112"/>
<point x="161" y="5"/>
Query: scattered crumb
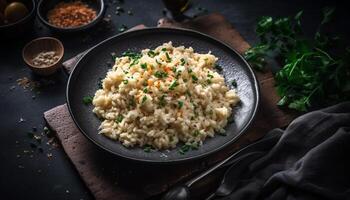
<point x="27" y="83"/>
<point x="49" y="155"/>
<point x="12" y="88"/>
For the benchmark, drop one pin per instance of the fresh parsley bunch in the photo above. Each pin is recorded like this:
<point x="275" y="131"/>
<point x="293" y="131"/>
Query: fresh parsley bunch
<point x="311" y="75"/>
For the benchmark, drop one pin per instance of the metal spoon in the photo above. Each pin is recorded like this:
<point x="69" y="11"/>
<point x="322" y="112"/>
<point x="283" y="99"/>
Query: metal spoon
<point x="182" y="192"/>
<point x="229" y="180"/>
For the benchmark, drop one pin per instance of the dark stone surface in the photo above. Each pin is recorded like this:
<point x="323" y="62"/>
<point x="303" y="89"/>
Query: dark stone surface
<point x="20" y="177"/>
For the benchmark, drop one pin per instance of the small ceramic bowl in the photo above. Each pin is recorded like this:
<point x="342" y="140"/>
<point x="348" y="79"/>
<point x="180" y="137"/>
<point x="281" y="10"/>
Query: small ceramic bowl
<point x="17" y="29"/>
<point x="45" y="6"/>
<point x="34" y="47"/>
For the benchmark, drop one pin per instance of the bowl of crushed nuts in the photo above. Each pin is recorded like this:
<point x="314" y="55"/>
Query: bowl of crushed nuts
<point x="70" y="15"/>
<point x="43" y="55"/>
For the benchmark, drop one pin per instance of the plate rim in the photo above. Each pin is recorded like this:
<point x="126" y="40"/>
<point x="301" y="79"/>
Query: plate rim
<point x="178" y="160"/>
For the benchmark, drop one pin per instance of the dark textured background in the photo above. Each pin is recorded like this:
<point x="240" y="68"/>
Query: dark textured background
<point x="20" y="178"/>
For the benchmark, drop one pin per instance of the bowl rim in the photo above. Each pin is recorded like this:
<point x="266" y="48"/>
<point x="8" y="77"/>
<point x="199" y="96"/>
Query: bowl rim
<point x="61" y="53"/>
<point x="29" y="15"/>
<point x="71" y="29"/>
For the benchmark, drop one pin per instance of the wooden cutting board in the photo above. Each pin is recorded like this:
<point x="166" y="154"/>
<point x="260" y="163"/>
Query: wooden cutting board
<point x="109" y="177"/>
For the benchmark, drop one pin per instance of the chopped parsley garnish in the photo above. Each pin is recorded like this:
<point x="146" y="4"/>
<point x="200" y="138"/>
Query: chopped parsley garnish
<point x="125" y="82"/>
<point x="132" y="101"/>
<point x="189" y="70"/>
<point x="218" y="67"/>
<point x="144" y="98"/>
<point x="87" y="100"/>
<point x="134" y="62"/>
<point x="196" y="133"/>
<point x="164" y="49"/>
<point x="132" y="55"/>
<point x="183" y="62"/>
<point x="186" y="147"/>
<point x="210" y="76"/>
<point x="234" y="83"/>
<point x="173" y="69"/>
<point x="194" y="78"/>
<point x="147" y="148"/>
<point x="159" y="63"/>
<point x="173" y="85"/>
<point x="145" y="90"/>
<point x="119" y="118"/>
<point x="180" y="104"/>
<point x="162" y="101"/>
<point x="144" y="66"/>
<point x="160" y="74"/>
<point x="209" y="81"/>
<point x="168" y="57"/>
<point x="178" y="75"/>
<point x="151" y="54"/>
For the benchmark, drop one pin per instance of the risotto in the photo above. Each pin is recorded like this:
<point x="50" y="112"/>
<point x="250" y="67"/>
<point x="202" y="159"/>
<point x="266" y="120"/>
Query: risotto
<point x="163" y="96"/>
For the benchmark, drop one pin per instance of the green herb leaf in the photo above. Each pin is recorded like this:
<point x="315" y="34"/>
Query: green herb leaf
<point x="147" y="148"/>
<point x="180" y="104"/>
<point x="196" y="133"/>
<point x="234" y="83"/>
<point x="167" y="57"/>
<point x="194" y="78"/>
<point x="162" y="101"/>
<point x="144" y="66"/>
<point x="119" y="118"/>
<point x="183" y="62"/>
<point x="151" y="54"/>
<point x="160" y="74"/>
<point x="218" y="67"/>
<point x="173" y="85"/>
<point x="87" y="100"/>
<point x="144" y="99"/>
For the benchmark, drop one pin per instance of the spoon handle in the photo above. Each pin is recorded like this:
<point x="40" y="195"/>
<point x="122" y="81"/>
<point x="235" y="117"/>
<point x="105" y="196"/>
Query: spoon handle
<point x="260" y="145"/>
<point x="213" y="168"/>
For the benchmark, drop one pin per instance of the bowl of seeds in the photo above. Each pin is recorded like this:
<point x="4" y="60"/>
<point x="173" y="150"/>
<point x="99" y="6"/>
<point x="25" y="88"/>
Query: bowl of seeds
<point x="43" y="55"/>
<point x="70" y="15"/>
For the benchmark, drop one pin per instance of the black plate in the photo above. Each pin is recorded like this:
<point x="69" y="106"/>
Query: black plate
<point x="84" y="80"/>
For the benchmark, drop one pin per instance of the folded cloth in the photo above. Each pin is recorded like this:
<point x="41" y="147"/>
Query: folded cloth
<point x="309" y="161"/>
